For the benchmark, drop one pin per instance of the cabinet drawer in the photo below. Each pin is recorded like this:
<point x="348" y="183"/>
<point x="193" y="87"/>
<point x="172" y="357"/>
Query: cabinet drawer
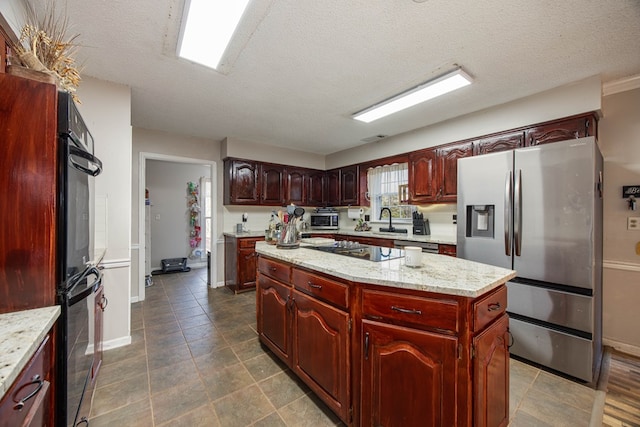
<point x="325" y="289"/>
<point x="274" y="269"/>
<point x="414" y="311"/>
<point x="32" y="380"/>
<point x="247" y="243"/>
<point x="489" y="308"/>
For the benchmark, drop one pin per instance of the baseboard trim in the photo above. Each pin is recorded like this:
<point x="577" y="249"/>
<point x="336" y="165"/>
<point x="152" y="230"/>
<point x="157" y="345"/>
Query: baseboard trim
<point x="134" y="299"/>
<point x="111" y="344"/>
<point x="622" y="347"/>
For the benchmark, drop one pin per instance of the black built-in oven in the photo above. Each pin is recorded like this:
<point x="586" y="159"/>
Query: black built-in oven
<point x="79" y="279"/>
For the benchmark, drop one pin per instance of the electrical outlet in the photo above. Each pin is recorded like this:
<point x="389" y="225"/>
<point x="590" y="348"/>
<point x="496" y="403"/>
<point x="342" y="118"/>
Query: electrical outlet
<point x="633" y="223"/>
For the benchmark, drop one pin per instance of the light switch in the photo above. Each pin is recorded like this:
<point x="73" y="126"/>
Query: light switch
<point x="157" y="217"/>
<point x="633" y="223"/>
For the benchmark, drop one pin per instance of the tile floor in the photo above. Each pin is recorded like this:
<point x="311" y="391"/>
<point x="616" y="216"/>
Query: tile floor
<point x="195" y="360"/>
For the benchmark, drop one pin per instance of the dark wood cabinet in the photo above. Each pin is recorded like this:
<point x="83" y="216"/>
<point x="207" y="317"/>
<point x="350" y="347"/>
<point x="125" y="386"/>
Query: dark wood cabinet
<point x="447" y="170"/>
<point x="408" y="377"/>
<point x="273" y="316"/>
<point x="240" y="262"/>
<point x="36" y="410"/>
<point x="272" y="181"/>
<point x="349" y="185"/>
<point x="560" y="130"/>
<point x="29" y="214"/>
<point x="447" y="250"/>
<point x="297" y="186"/>
<point x="422" y="176"/>
<point x="302" y="318"/>
<point x="502" y="142"/>
<point x="320" y="354"/>
<point x="491" y="375"/>
<point x="317" y="188"/>
<point x="242" y="182"/>
<point x="333" y="187"/>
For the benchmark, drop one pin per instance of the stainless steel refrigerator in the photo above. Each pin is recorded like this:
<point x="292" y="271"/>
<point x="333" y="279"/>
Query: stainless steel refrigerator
<point x="538" y="210"/>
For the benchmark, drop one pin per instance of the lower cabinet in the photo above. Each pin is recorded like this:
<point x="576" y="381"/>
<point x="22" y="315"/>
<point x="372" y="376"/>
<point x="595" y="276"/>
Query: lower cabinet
<point x="240" y="262"/>
<point x="408" y="377"/>
<point x="410" y="358"/>
<point x="491" y="375"/>
<point x="28" y="402"/>
<point x="320" y="352"/>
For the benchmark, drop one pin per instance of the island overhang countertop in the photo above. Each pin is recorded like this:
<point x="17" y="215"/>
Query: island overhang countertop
<point x="438" y="273"/>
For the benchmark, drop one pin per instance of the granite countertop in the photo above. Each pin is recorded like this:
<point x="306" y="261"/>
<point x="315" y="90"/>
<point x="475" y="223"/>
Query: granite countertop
<point x="21" y="333"/>
<point x="440" y="239"/>
<point x="438" y="273"/>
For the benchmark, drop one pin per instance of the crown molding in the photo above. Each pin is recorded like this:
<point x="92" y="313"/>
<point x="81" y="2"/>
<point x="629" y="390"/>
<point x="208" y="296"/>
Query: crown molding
<point x="621" y="85"/>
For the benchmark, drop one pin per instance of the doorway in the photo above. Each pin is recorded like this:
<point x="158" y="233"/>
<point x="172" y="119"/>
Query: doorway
<point x="142" y="184"/>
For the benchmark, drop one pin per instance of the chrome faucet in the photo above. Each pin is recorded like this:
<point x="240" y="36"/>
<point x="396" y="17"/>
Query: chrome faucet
<point x="391" y="228"/>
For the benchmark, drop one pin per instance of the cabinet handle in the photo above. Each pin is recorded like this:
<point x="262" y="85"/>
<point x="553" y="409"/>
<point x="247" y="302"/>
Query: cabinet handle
<point x="406" y="310"/>
<point x="104" y="303"/>
<point x="83" y="421"/>
<point x="511" y="339"/>
<point x="494" y="306"/>
<point x="314" y="285"/>
<point x="272" y="268"/>
<point x="366" y="346"/>
<point x="35" y="380"/>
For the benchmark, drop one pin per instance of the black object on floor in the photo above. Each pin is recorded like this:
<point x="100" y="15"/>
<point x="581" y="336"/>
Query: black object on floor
<point x="173" y="265"/>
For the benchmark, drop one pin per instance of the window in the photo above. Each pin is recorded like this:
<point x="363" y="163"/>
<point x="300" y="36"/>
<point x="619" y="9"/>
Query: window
<point x="388" y="188"/>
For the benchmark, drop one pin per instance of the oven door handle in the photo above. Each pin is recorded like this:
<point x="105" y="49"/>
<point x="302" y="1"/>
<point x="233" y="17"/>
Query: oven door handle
<point x="75" y="151"/>
<point x="88" y="290"/>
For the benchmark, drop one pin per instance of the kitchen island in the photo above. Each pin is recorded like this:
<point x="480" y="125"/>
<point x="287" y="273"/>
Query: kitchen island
<point x="382" y="343"/>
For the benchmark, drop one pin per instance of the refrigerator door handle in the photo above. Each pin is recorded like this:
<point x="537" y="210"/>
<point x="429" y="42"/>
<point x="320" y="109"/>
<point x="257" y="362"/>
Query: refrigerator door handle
<point x="517" y="213"/>
<point x="508" y="199"/>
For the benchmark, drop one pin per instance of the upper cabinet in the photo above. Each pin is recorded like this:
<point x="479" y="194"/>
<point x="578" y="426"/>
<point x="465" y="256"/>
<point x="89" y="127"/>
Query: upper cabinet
<point x="422" y="175"/>
<point x="273" y="184"/>
<point x="561" y="130"/>
<point x="502" y="142"/>
<point x="447" y="170"/>
<point x="242" y="182"/>
<point x="316" y="188"/>
<point x="433" y="173"/>
<point x="349" y="185"/>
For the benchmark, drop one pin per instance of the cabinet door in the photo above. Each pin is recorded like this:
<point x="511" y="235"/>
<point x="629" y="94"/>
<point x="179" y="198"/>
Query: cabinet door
<point x="246" y="268"/>
<point x="576" y="127"/>
<point x="317" y="186"/>
<point x="422" y="176"/>
<point x="333" y="187"/>
<point x="499" y="143"/>
<point x="349" y="185"/>
<point x="241" y="182"/>
<point x="491" y="375"/>
<point x="296" y="186"/>
<point x="448" y="170"/>
<point x="320" y="353"/>
<point x="272" y="180"/>
<point x="447" y="250"/>
<point x="408" y="377"/>
<point x="273" y="315"/>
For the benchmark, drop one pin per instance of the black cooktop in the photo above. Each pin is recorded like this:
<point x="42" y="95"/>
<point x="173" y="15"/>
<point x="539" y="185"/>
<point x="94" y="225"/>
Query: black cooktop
<point x="356" y="250"/>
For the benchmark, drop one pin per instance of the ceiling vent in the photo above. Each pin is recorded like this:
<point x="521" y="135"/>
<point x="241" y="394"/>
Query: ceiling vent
<point x="374" y="138"/>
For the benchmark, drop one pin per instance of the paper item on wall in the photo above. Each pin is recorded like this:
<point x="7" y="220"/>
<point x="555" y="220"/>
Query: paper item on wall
<point x="355" y="213"/>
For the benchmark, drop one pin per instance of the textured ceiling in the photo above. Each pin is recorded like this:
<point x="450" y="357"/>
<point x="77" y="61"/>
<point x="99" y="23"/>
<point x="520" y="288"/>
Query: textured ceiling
<point x="300" y="68"/>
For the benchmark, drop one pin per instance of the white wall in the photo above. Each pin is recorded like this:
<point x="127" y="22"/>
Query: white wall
<point x="620" y="145"/>
<point x="162" y="143"/>
<point x="579" y="97"/>
<point x="234" y="147"/>
<point x="170" y="214"/>
<point x="12" y="12"/>
<point x="106" y="109"/>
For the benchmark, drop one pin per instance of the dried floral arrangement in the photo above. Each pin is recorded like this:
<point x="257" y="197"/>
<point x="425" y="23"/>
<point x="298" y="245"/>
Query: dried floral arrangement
<point x="44" y="46"/>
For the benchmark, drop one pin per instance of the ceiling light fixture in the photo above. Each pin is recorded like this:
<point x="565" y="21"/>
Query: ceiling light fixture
<point x="421" y="93"/>
<point x="207" y="28"/>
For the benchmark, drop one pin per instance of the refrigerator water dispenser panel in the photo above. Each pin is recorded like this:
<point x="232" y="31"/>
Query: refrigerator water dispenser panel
<point x="480" y="221"/>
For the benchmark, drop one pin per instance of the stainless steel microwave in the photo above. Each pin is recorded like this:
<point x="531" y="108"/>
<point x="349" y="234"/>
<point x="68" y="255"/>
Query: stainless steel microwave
<point x="324" y="220"/>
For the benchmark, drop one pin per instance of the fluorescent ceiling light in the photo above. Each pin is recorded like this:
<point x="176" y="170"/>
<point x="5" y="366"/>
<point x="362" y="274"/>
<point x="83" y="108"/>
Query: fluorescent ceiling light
<point x="207" y="28"/>
<point x="424" y="92"/>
